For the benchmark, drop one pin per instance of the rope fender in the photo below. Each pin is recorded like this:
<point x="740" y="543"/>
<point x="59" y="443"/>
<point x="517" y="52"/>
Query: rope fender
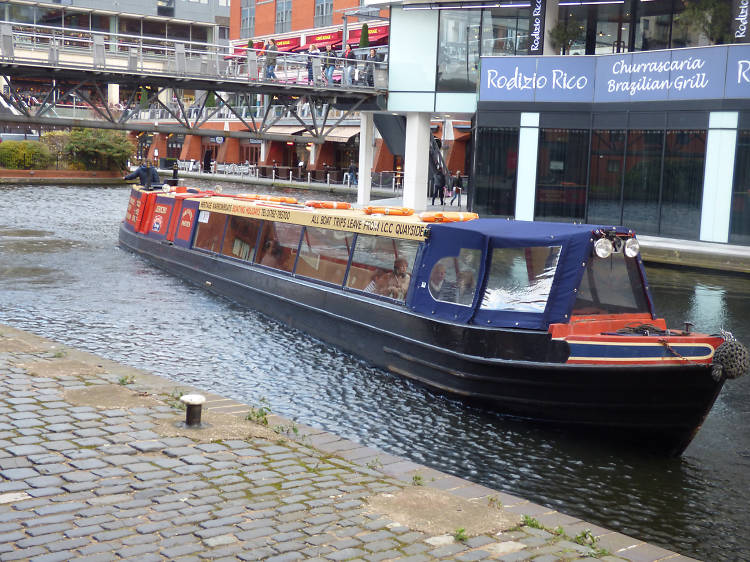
<point x="731" y="360"/>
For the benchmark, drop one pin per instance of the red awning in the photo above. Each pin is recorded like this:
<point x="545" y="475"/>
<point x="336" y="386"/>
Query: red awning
<point x="238" y="51"/>
<point x="287" y="44"/>
<point x="377" y="35"/>
<point x="323" y="39"/>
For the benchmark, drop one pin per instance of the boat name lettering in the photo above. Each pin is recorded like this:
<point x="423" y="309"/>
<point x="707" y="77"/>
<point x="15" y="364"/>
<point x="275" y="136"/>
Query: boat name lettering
<point x="161" y="209"/>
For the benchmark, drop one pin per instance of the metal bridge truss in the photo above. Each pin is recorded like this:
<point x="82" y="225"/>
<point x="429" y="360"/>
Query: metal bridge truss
<point x="189" y="121"/>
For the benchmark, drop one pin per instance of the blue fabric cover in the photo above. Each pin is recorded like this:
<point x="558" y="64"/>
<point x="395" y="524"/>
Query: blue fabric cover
<point x="576" y="241"/>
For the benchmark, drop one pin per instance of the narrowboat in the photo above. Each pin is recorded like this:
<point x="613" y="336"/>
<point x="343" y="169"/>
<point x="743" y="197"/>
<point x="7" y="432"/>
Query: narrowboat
<point x="550" y="322"/>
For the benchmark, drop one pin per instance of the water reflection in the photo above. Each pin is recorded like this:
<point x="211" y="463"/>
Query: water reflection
<point x="90" y="294"/>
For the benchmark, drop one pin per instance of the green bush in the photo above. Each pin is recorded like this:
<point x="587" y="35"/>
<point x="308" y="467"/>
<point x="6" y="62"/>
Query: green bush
<point x="99" y="149"/>
<point x="25" y="155"/>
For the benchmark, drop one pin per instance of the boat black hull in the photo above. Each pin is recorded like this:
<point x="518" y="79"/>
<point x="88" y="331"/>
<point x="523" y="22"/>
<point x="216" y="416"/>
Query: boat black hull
<point x="520" y="373"/>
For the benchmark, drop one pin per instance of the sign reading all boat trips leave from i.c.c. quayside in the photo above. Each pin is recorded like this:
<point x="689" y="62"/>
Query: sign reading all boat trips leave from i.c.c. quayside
<point x="680" y="74"/>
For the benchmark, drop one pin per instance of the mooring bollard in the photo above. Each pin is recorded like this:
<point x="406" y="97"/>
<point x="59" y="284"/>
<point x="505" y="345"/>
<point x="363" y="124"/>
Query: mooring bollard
<point x="193" y="404"/>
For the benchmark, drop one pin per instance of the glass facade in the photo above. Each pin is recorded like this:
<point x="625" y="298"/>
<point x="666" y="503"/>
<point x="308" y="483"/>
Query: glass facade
<point x="650" y="180"/>
<point x="596" y="28"/>
<point x="739" y="217"/>
<point x="496" y="165"/>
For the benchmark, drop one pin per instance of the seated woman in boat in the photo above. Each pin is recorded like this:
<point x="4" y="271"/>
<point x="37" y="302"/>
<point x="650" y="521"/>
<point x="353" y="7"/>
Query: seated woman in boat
<point x="273" y="254"/>
<point x="394" y="283"/>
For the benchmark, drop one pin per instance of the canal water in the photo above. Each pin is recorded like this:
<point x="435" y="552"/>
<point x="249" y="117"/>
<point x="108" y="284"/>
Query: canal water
<point x="63" y="276"/>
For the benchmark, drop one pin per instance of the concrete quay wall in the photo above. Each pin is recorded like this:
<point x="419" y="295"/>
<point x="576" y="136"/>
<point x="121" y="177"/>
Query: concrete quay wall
<point x="95" y="466"/>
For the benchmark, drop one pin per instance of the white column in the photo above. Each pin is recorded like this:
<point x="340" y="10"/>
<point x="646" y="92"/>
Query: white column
<point x="366" y="141"/>
<point x="264" y="150"/>
<point x="528" y="144"/>
<point x="416" y="160"/>
<point x="550" y="21"/>
<point x="314" y="148"/>
<point x="719" y="176"/>
<point x="113" y="93"/>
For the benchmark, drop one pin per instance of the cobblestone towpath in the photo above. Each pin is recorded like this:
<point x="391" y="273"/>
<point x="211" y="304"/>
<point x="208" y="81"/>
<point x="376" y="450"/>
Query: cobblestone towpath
<point x="94" y="465"/>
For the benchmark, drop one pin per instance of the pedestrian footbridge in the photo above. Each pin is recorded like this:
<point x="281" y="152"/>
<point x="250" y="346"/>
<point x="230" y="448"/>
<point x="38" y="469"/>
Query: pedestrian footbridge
<point x="116" y="76"/>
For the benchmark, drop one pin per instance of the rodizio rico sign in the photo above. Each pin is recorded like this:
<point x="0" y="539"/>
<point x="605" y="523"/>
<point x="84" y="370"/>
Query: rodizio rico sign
<point x="739" y="20"/>
<point x="680" y="74"/>
<point x="536" y="26"/>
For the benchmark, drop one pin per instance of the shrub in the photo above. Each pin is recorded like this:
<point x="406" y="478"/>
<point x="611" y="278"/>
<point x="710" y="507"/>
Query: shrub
<point x="99" y="149"/>
<point x="25" y="155"/>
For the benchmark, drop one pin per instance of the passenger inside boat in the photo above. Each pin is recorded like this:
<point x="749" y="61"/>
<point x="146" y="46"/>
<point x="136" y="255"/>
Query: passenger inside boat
<point x="395" y="283"/>
<point x="273" y="254"/>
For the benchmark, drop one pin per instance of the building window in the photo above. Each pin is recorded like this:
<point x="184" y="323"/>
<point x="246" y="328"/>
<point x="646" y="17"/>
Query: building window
<point x="458" y="55"/>
<point x="739" y="218"/>
<point x="605" y="176"/>
<point x="323" y="13"/>
<point x="640" y="199"/>
<point x="505" y="32"/>
<point x="283" y="16"/>
<point x="561" y="175"/>
<point x="682" y="184"/>
<point x="495" y="176"/>
<point x="247" y="18"/>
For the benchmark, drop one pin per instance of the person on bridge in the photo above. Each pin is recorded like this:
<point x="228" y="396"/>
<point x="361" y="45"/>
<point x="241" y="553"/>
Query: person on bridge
<point x="146" y="174"/>
<point x="329" y="63"/>
<point x="371" y="59"/>
<point x="271" y="56"/>
<point x="312" y="52"/>
<point x="350" y="63"/>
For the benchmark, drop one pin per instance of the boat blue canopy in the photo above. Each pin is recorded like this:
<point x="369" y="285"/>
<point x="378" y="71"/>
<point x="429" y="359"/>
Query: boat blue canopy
<point x="575" y="243"/>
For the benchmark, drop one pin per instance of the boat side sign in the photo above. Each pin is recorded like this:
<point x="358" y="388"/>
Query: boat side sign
<point x="349" y="221"/>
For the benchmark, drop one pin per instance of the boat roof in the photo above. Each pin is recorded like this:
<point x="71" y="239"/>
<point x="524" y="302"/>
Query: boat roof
<point x="513" y="233"/>
<point x="575" y="242"/>
<point x="350" y="220"/>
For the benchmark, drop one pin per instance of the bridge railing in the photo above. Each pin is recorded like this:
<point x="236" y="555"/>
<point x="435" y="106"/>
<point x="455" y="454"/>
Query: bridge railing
<point x="120" y="52"/>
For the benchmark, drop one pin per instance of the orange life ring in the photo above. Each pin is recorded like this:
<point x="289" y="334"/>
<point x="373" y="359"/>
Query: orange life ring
<point x="448" y="216"/>
<point x="328" y="204"/>
<point x="395" y="211"/>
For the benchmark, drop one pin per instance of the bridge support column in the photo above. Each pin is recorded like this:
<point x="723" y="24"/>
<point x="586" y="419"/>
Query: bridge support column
<point x="366" y="138"/>
<point x="191" y="148"/>
<point x="416" y="160"/>
<point x="314" y="149"/>
<point x="229" y="151"/>
<point x="113" y="94"/>
<point x="264" y="146"/>
<point x="159" y="143"/>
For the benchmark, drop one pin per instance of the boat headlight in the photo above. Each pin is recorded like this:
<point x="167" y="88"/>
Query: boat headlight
<point x="632" y="247"/>
<point x="166" y="187"/>
<point x="603" y="247"/>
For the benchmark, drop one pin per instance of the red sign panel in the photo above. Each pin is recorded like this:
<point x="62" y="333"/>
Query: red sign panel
<point x="187" y="217"/>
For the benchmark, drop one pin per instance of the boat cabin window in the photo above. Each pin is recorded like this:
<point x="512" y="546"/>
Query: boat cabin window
<point x="240" y="238"/>
<point x="324" y="254"/>
<point x="611" y="285"/>
<point x="382" y="266"/>
<point x="453" y="279"/>
<point x="210" y="231"/>
<point x="520" y="279"/>
<point x="278" y="245"/>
